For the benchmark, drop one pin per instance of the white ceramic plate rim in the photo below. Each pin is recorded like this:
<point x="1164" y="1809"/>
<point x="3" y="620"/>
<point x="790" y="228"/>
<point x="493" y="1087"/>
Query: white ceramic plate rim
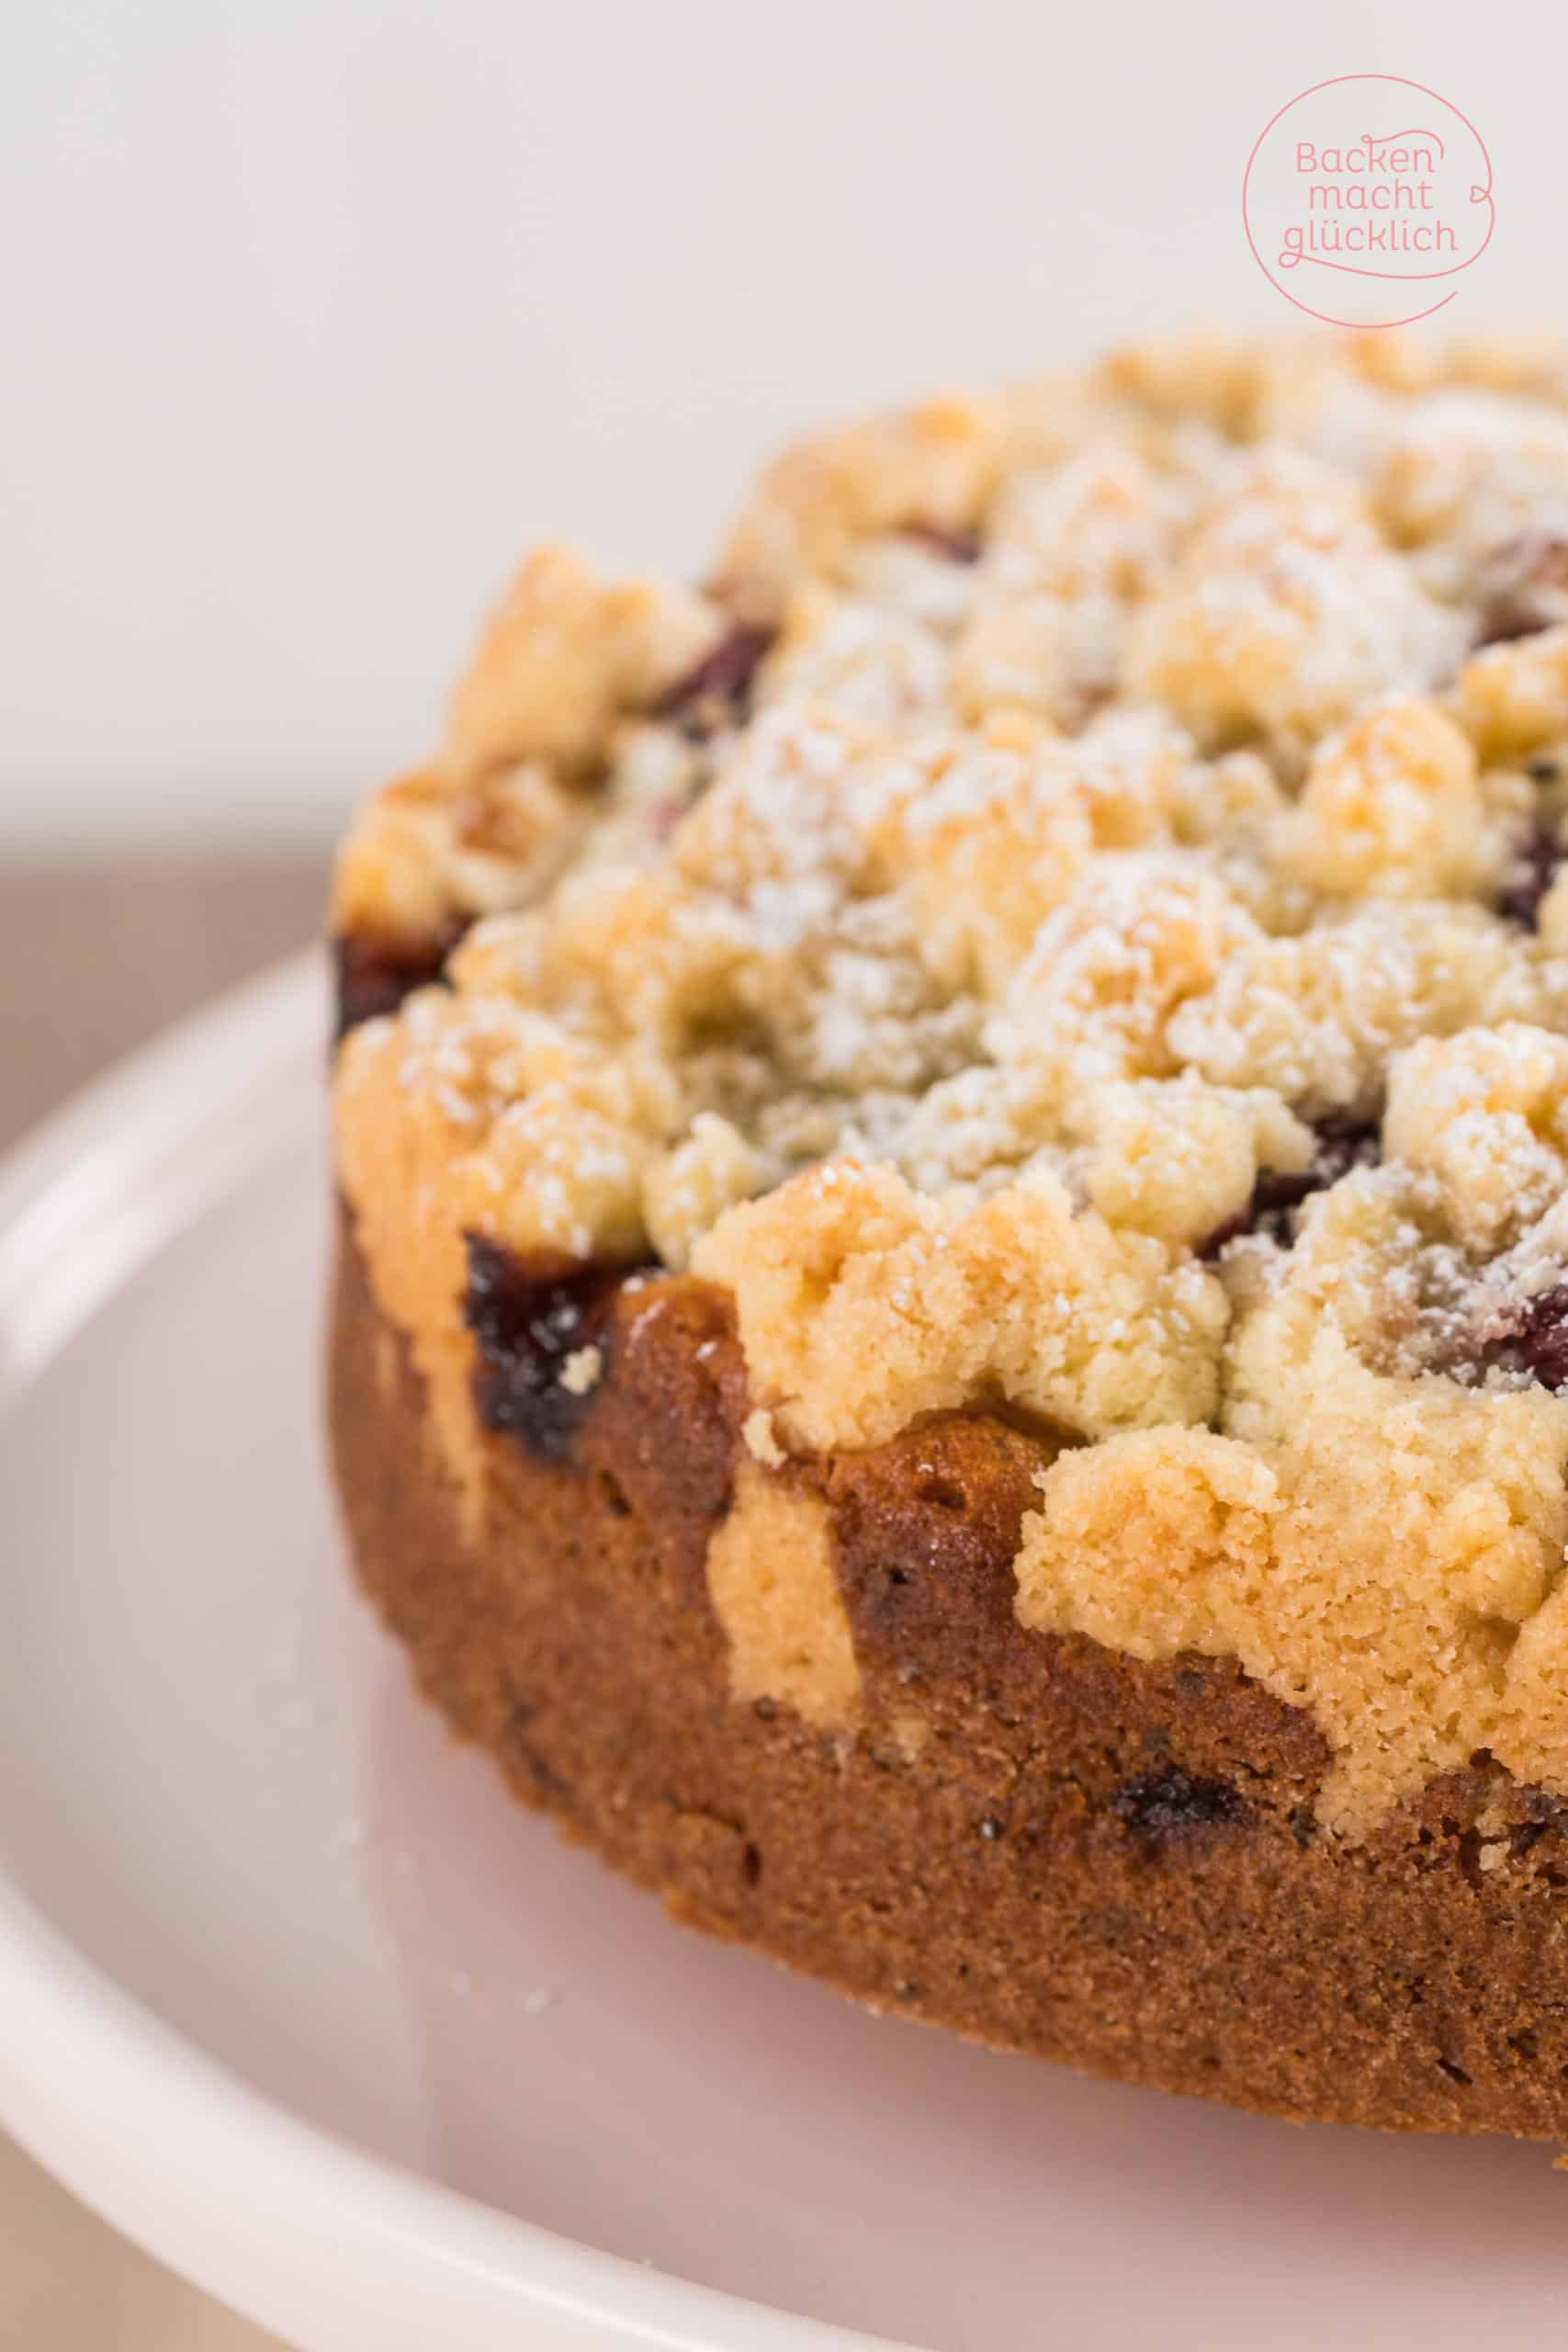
<point x="229" y="2178"/>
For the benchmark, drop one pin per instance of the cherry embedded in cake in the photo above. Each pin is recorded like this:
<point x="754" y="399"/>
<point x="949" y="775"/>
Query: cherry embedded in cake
<point x="951" y="1335"/>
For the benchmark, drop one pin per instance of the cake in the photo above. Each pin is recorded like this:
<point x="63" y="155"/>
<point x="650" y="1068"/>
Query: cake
<point x="950" y="1334"/>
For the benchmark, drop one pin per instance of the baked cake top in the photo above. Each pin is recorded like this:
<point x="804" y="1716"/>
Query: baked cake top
<point x="1070" y="919"/>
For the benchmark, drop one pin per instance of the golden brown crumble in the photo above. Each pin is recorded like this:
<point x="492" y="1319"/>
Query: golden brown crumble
<point x="1120" y="784"/>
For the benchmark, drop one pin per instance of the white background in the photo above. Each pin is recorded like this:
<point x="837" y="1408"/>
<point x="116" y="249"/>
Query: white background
<point x="316" y="311"/>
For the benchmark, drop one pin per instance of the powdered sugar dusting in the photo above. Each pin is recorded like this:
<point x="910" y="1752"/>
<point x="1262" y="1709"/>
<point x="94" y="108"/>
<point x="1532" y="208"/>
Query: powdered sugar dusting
<point x="1149" y="777"/>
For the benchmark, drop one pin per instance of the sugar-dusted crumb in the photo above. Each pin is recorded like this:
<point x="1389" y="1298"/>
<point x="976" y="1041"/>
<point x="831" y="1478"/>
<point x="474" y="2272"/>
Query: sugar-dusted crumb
<point x="998" y="931"/>
<point x="863" y="1304"/>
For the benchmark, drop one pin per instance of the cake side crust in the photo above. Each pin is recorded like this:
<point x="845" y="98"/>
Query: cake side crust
<point x="1045" y="1845"/>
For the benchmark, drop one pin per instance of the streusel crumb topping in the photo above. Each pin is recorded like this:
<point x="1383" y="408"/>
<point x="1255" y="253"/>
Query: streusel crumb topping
<point x="1073" y="918"/>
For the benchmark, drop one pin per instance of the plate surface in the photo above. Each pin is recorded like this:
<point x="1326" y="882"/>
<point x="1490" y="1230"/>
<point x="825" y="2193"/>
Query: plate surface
<point x="292" y="1994"/>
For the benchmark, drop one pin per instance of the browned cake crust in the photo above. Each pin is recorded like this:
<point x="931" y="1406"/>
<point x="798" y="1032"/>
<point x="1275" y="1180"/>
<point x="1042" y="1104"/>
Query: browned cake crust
<point x="1045" y="1845"/>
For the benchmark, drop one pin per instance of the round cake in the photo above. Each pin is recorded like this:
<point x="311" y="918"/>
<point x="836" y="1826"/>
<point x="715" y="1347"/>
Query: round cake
<point x="951" y="1326"/>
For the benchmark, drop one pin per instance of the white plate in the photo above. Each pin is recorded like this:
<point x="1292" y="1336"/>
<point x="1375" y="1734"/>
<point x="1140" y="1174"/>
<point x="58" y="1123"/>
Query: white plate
<point x="290" y="1992"/>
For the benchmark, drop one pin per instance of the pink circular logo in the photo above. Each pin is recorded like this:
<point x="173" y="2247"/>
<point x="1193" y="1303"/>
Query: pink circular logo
<point x="1364" y="197"/>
